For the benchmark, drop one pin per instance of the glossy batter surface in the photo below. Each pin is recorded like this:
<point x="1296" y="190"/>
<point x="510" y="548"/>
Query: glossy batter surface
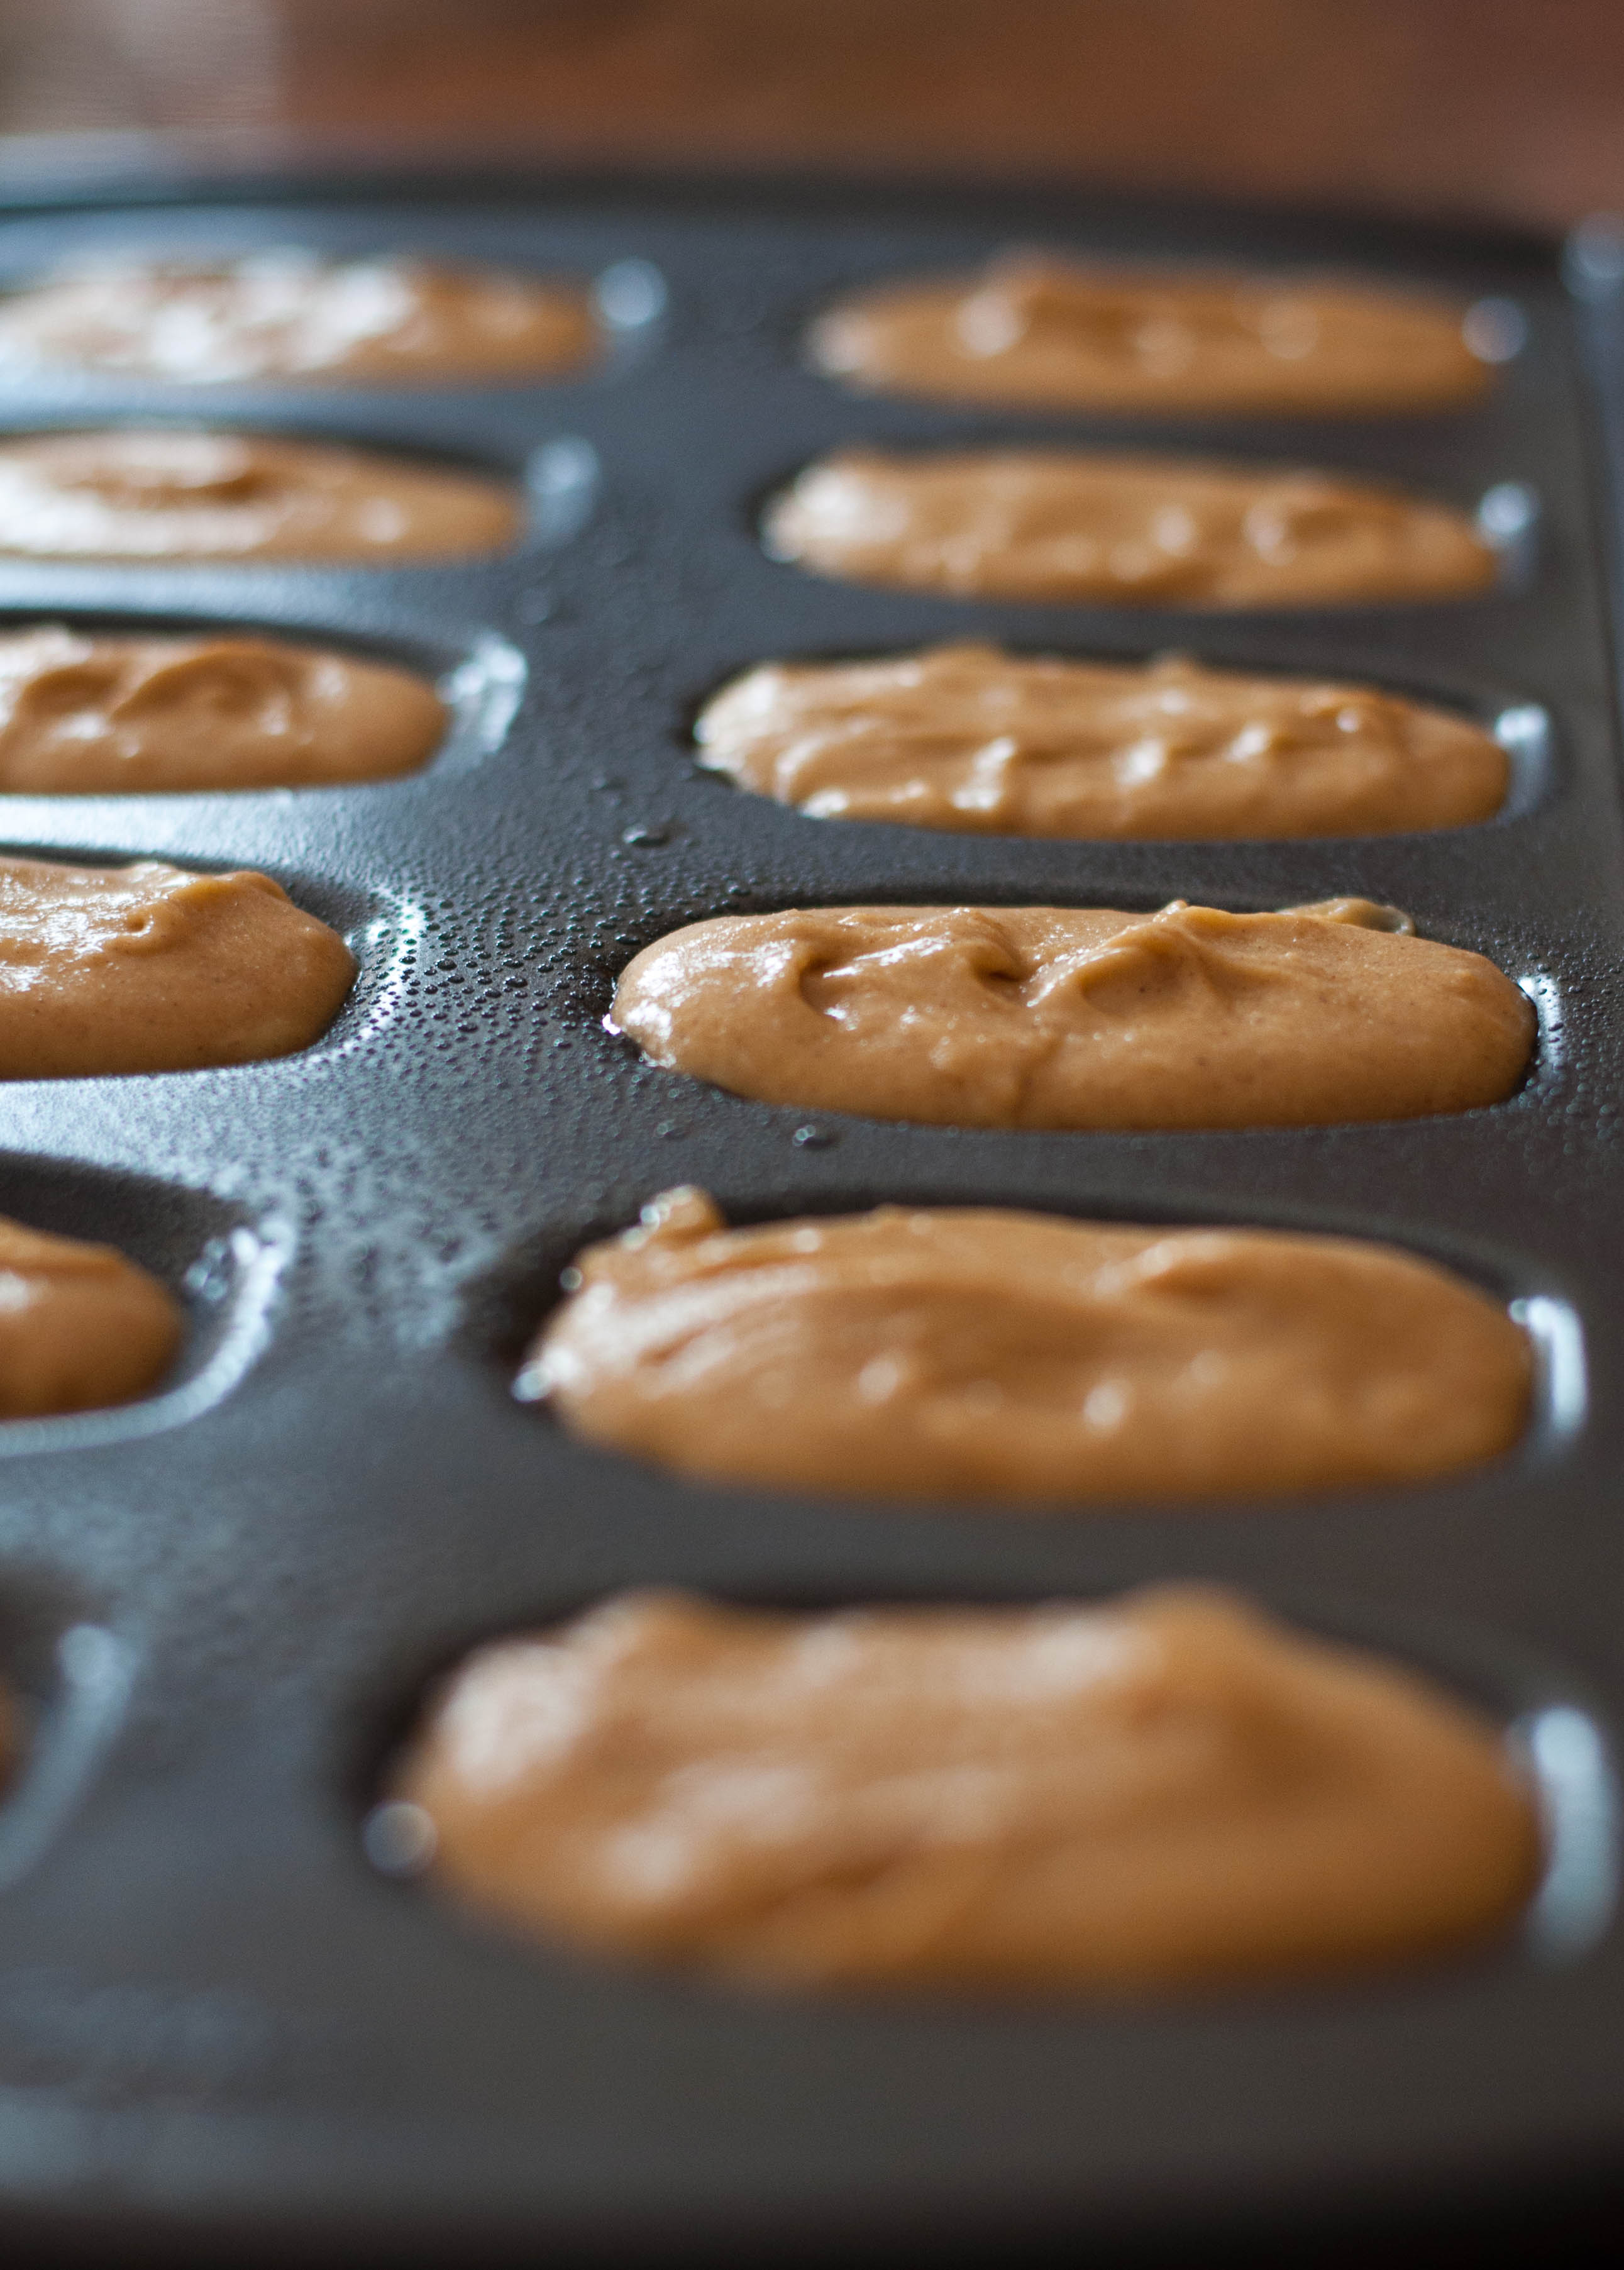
<point x="1047" y="333"/>
<point x="1067" y="526"/>
<point x="174" y="493"/>
<point x="290" y="313"/>
<point x="971" y="738"/>
<point x="966" y="1353"/>
<point x="1062" y="1017"/>
<point x="151" y="967"/>
<point x="80" y="1327"/>
<point x="1167" y="1793"/>
<point x="98" y="716"/>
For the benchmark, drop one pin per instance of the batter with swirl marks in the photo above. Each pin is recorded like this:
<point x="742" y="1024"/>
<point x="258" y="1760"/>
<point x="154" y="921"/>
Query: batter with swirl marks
<point x="1070" y="527"/>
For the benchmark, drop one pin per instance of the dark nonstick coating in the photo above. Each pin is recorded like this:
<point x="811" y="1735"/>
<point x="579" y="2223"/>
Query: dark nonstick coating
<point x="216" y="2021"/>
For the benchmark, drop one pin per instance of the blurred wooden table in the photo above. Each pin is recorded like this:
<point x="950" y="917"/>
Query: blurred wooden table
<point x="1495" y="108"/>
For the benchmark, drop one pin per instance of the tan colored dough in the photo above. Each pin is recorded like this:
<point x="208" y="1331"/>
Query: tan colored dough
<point x="90" y="716"/>
<point x="1074" y="527"/>
<point x="1046" y="333"/>
<point x="971" y="738"/>
<point x="1081" y="1018"/>
<point x="80" y="1327"/>
<point x="178" y="494"/>
<point x="151" y="967"/>
<point x="287" y="313"/>
<point x="1022" y="1358"/>
<point x="1168" y="1792"/>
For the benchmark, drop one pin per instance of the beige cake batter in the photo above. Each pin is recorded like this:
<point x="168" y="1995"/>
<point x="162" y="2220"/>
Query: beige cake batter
<point x="1039" y="332"/>
<point x="91" y="715"/>
<point x="1059" y="1017"/>
<point x="80" y="1327"/>
<point x="156" y="968"/>
<point x="961" y="1352"/>
<point x="178" y="494"/>
<point x="1070" y="526"/>
<point x="969" y="738"/>
<point x="287" y="313"/>
<point x="1167" y="1793"/>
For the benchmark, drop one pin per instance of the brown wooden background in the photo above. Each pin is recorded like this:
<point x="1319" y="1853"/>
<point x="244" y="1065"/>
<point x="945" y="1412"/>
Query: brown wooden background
<point x="1509" y="109"/>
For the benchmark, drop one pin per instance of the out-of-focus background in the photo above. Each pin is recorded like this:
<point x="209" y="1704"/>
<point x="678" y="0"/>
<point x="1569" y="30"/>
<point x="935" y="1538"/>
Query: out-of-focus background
<point x="1499" y="109"/>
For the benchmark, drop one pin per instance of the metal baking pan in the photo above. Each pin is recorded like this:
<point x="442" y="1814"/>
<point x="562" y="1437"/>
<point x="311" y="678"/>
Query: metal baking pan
<point x="218" y="2022"/>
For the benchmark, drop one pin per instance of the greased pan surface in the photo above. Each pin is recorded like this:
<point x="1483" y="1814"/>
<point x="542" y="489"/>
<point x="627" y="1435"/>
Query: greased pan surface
<point x="215" y="2017"/>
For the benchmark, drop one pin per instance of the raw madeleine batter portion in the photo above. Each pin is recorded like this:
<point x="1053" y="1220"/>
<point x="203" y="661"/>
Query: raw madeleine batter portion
<point x="969" y="738"/>
<point x="151" y="967"/>
<point x="80" y="1327"/>
<point x="177" y="494"/>
<point x="1045" y="333"/>
<point x="89" y="716"/>
<point x="1071" y="527"/>
<point x="290" y="313"/>
<point x="1065" y="1017"/>
<point x="968" y="1352"/>
<point x="1170" y="1791"/>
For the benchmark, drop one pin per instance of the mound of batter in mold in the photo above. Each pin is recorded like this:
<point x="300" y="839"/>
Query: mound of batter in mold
<point x="285" y="313"/>
<point x="1041" y="332"/>
<point x="1018" y="1357"/>
<point x="151" y="967"/>
<point x="1054" y="1017"/>
<point x="160" y="493"/>
<point x="96" y="714"/>
<point x="1165" y="1791"/>
<point x="1070" y="526"/>
<point x="971" y="738"/>
<point x="81" y="1327"/>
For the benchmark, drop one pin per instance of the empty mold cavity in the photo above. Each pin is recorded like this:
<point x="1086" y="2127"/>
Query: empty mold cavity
<point x="221" y="1263"/>
<point x="69" y="1678"/>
